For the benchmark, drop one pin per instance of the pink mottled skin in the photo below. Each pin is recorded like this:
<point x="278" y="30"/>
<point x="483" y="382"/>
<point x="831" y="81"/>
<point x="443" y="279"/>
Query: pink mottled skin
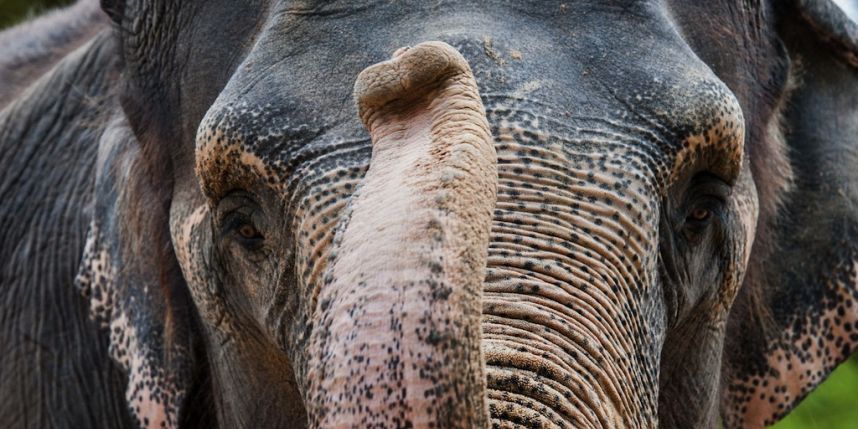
<point x="401" y="325"/>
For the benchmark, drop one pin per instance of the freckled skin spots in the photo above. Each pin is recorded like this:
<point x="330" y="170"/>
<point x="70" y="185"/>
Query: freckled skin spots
<point x="152" y="398"/>
<point x="124" y="294"/>
<point x="543" y="221"/>
<point x="438" y="144"/>
<point x="811" y="348"/>
<point x="571" y="257"/>
<point x="94" y="279"/>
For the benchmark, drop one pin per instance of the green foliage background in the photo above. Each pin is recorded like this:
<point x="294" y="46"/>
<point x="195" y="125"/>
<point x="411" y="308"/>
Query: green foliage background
<point x="834" y="405"/>
<point x="12" y="11"/>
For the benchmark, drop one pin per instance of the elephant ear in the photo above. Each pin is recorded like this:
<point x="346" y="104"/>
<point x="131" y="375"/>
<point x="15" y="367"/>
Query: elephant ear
<point x="131" y="278"/>
<point x="796" y="317"/>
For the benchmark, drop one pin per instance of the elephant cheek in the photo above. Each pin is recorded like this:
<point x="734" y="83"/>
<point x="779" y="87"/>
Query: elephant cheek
<point x="745" y="205"/>
<point x="188" y="229"/>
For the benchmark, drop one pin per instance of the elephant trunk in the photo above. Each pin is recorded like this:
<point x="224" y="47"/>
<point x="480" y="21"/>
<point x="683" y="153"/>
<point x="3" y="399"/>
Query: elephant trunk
<point x="397" y="339"/>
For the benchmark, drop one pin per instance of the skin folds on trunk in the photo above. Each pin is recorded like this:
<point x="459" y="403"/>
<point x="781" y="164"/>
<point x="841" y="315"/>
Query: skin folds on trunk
<point x="398" y="342"/>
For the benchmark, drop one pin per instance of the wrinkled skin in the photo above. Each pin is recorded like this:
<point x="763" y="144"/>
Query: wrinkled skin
<point x="582" y="214"/>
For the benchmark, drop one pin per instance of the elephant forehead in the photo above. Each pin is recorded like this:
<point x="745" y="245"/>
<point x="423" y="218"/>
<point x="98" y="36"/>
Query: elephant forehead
<point x="241" y="144"/>
<point x="716" y="129"/>
<point x="671" y="105"/>
<point x="704" y="128"/>
<point x="222" y="149"/>
<point x="218" y="157"/>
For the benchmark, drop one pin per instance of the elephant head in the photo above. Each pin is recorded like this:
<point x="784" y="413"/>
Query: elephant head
<point x="582" y="214"/>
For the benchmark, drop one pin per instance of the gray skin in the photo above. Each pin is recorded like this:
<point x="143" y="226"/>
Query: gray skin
<point x="582" y="214"/>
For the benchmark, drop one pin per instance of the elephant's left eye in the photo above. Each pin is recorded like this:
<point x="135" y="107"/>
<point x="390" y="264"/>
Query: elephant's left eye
<point x="699" y="217"/>
<point x="700" y="214"/>
<point x="707" y="199"/>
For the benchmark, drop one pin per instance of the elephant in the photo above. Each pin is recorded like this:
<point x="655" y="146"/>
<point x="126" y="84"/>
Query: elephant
<point x="283" y="213"/>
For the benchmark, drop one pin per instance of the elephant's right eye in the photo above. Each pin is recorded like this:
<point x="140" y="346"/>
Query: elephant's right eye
<point x="248" y="232"/>
<point x="245" y="231"/>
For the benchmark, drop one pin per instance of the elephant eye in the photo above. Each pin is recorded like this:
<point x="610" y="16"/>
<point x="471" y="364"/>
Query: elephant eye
<point x="238" y="216"/>
<point x="244" y="230"/>
<point x="700" y="214"/>
<point x="249" y="232"/>
<point x="706" y="203"/>
<point x="248" y="235"/>
<point x="699" y="217"/>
